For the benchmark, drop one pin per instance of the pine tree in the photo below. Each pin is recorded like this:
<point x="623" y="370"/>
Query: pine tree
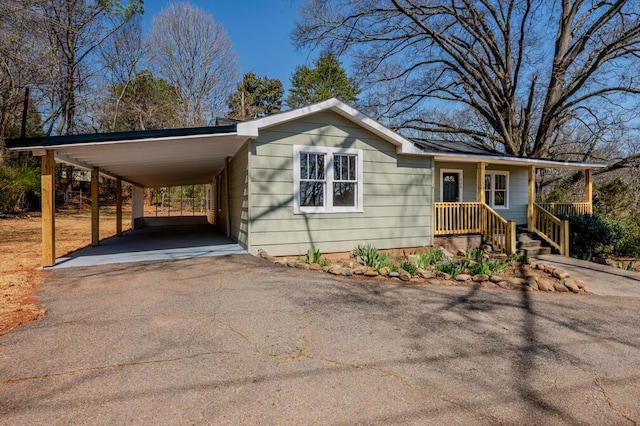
<point x="255" y="97"/>
<point x="326" y="80"/>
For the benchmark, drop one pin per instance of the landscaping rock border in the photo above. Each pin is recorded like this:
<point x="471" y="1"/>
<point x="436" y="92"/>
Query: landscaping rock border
<point x="540" y="277"/>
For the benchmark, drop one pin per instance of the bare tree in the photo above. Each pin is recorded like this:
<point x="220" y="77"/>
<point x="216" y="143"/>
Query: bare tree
<point x="18" y="64"/>
<point x="120" y="57"/>
<point x="522" y="72"/>
<point x="70" y="33"/>
<point x="193" y="52"/>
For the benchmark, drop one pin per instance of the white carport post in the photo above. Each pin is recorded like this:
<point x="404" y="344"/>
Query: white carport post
<point x="119" y="207"/>
<point x="95" y="207"/>
<point x="137" y="207"/>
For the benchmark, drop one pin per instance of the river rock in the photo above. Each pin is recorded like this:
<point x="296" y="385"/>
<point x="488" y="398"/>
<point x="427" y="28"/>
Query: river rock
<point x="480" y="278"/>
<point x="404" y="275"/>
<point x="560" y="288"/>
<point x="463" y="277"/>
<point x="571" y="285"/>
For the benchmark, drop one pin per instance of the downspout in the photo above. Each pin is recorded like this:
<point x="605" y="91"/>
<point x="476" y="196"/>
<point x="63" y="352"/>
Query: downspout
<point x="227" y="197"/>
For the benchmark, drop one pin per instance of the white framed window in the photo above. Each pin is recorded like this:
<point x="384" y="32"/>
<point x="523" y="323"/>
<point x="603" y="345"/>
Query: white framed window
<point x="496" y="189"/>
<point x="327" y="180"/>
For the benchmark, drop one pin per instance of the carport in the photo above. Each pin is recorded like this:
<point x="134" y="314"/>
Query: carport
<point x="144" y="159"/>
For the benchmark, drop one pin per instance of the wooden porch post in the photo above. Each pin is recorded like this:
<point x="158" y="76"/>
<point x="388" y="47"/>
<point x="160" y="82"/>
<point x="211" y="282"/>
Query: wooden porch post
<point x="48" y="209"/>
<point x="531" y="197"/>
<point x="588" y="190"/>
<point x="95" y="208"/>
<point x="481" y="188"/>
<point x="118" y="207"/>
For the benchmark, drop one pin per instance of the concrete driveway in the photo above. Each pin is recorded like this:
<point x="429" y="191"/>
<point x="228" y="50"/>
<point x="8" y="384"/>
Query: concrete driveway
<point x="235" y="340"/>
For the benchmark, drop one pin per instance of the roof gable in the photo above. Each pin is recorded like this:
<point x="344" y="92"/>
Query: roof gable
<point x="251" y="129"/>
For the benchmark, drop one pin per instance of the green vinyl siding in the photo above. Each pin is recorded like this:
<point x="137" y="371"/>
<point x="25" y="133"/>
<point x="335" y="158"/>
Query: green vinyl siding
<point x="238" y="209"/>
<point x="397" y="192"/>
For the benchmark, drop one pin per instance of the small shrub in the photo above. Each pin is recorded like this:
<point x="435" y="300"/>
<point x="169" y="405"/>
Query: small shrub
<point x="593" y="234"/>
<point x="323" y="262"/>
<point x="409" y="267"/>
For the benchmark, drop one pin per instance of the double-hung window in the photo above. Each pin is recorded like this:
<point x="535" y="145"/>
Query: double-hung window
<point x="327" y="180"/>
<point x="496" y="186"/>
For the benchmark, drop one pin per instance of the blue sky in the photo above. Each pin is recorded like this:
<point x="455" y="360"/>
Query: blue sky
<point x="259" y="30"/>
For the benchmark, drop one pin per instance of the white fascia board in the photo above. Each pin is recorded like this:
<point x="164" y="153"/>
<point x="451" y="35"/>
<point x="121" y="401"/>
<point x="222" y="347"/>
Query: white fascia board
<point x="251" y="129"/>
<point x="496" y="159"/>
<point x="38" y="148"/>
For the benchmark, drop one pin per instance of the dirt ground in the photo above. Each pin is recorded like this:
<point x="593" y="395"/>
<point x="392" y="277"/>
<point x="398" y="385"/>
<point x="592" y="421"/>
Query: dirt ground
<point x="20" y="257"/>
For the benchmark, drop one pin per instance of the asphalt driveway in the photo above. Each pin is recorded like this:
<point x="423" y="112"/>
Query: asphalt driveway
<point x="236" y="340"/>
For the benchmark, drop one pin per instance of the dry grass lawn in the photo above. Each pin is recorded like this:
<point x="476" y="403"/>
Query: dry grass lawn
<point x="20" y="258"/>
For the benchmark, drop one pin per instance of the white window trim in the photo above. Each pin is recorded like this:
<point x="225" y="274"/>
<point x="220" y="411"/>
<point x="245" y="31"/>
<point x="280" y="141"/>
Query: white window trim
<point x="491" y="191"/>
<point x="460" y="186"/>
<point x="328" y="198"/>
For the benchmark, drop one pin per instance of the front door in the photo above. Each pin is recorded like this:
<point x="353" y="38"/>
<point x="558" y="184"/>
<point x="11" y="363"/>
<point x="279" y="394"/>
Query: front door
<point x="450" y="187"/>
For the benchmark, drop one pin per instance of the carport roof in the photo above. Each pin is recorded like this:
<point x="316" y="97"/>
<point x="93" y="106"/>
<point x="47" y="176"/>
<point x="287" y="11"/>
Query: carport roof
<point x="150" y="158"/>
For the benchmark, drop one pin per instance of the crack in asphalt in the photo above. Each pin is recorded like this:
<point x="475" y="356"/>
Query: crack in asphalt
<point x="301" y="352"/>
<point x="116" y="365"/>
<point x="596" y="380"/>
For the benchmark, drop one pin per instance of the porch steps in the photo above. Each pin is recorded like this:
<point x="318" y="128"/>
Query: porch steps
<point x="528" y="244"/>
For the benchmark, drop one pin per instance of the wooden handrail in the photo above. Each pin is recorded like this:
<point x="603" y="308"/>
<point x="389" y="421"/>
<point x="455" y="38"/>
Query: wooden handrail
<point x="569" y="209"/>
<point x="475" y="218"/>
<point x="499" y="231"/>
<point x="551" y="229"/>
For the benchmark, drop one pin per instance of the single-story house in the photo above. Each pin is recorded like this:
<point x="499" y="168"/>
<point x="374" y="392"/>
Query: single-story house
<point x="324" y="176"/>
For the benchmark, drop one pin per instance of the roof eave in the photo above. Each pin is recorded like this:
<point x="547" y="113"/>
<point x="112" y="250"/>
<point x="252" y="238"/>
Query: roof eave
<point x="498" y="159"/>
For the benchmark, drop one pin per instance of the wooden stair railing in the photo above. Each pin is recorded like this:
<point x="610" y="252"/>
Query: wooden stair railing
<point x="569" y="209"/>
<point x="475" y="218"/>
<point x="498" y="231"/>
<point x="551" y="229"/>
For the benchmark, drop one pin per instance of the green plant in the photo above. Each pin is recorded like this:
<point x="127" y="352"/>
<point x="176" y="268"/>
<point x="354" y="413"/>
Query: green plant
<point x="312" y="256"/>
<point x="487" y="267"/>
<point x="323" y="262"/>
<point x="409" y="267"/>
<point x="583" y="256"/>
<point x="424" y="260"/>
<point x="369" y="256"/>
<point x="626" y="266"/>
<point x="593" y="234"/>
<point x="475" y="254"/>
<point x="453" y="268"/>
<point x="481" y="268"/>
<point x="517" y="258"/>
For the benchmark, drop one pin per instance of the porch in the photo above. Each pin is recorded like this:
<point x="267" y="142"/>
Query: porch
<point x="483" y="216"/>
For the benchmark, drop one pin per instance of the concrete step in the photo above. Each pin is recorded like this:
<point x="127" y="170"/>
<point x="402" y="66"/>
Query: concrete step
<point x="533" y="251"/>
<point x="529" y="244"/>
